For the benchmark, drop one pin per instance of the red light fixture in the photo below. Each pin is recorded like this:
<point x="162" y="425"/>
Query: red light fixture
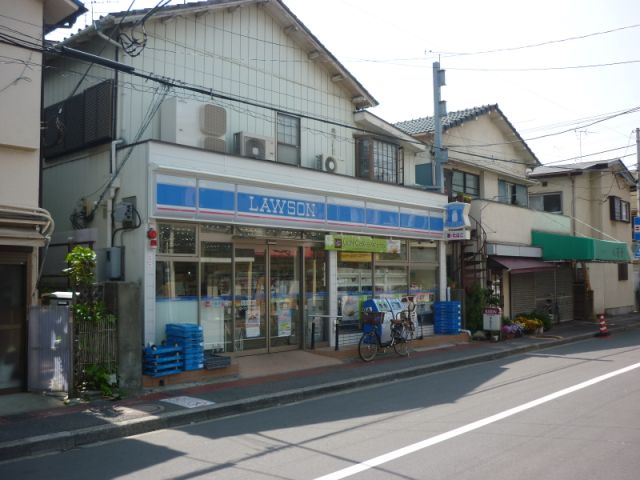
<point x="152" y="235"/>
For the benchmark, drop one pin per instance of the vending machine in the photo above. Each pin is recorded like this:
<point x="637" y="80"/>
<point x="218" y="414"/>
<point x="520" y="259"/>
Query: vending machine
<point x="381" y="305"/>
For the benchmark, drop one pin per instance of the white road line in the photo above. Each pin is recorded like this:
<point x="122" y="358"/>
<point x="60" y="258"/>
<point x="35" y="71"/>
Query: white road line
<point x="401" y="452"/>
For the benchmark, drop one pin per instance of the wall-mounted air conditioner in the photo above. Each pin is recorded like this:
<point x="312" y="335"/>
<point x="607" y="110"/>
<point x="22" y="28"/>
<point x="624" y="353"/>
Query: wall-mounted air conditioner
<point x="254" y="146"/>
<point x="194" y="124"/>
<point x="213" y="123"/>
<point x="326" y="163"/>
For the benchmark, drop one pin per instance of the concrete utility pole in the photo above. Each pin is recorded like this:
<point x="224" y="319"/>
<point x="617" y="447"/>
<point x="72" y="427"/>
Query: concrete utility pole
<point x="638" y="171"/>
<point x="439" y="111"/>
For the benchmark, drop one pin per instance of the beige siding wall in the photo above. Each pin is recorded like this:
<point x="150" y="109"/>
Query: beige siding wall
<point x="592" y="191"/>
<point x="484" y="131"/>
<point x="68" y="184"/>
<point x="243" y="54"/>
<point x="20" y="102"/>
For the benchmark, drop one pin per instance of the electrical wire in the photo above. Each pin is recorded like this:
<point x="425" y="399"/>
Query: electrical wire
<point x="534" y="45"/>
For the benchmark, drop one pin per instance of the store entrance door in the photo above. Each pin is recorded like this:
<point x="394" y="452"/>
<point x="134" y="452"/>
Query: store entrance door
<point x="13" y="326"/>
<point x="267" y="298"/>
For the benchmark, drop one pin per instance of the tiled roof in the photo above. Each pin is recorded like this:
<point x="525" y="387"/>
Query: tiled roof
<point x="453" y="119"/>
<point x="597" y="165"/>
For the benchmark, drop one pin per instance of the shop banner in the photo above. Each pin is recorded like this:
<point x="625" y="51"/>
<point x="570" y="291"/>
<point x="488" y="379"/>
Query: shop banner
<point x="357" y="243"/>
<point x="244" y="204"/>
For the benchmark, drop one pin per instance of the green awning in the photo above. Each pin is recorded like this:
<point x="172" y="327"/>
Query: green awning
<point x="557" y="247"/>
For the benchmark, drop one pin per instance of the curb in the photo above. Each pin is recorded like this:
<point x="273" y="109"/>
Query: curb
<point x="67" y="440"/>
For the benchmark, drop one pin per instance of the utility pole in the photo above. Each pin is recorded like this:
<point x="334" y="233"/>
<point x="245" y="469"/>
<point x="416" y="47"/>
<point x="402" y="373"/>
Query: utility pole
<point x="637" y="171"/>
<point x="439" y="111"/>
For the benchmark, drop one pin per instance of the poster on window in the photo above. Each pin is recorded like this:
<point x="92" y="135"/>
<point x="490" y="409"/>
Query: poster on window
<point x="284" y="320"/>
<point x="252" y="321"/>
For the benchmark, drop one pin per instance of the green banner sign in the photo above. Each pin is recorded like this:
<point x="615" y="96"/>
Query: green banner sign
<point x="357" y="243"/>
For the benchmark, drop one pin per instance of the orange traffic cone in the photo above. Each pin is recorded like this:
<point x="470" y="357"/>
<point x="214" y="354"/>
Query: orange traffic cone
<point x="604" y="330"/>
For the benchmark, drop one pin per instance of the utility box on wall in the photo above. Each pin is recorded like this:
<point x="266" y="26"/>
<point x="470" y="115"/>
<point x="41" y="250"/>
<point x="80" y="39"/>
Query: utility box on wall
<point x="110" y="263"/>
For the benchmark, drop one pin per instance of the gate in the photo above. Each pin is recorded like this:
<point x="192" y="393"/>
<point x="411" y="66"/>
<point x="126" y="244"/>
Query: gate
<point x="49" y="343"/>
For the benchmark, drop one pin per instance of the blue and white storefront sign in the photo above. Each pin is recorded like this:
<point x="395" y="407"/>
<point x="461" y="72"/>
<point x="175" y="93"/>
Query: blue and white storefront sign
<point x="636" y="229"/>
<point x="457" y="225"/>
<point x="274" y="206"/>
<point x="176" y="195"/>
<point x="234" y="203"/>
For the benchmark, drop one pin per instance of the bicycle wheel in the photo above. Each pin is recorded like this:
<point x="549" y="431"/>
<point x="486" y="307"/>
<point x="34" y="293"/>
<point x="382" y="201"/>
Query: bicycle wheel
<point x="368" y="346"/>
<point x="402" y="341"/>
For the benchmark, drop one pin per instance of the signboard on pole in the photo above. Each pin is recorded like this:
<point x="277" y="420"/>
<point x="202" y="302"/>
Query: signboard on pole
<point x="636" y="229"/>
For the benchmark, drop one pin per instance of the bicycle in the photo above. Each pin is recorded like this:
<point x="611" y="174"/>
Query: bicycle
<point x="402" y="333"/>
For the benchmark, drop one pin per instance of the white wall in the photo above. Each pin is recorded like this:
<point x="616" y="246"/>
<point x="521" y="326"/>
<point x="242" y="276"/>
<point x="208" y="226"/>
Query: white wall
<point x="20" y="103"/>
<point x="510" y="224"/>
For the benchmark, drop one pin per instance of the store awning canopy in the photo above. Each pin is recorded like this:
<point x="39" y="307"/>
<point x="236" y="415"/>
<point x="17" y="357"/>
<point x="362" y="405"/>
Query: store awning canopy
<point x="522" y="264"/>
<point x="557" y="247"/>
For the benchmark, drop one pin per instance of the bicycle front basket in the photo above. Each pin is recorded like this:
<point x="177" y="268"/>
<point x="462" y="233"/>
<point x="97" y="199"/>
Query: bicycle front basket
<point x="372" y="318"/>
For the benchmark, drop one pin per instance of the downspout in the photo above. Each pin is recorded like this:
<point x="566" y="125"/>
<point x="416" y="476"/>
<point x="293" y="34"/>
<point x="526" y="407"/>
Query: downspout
<point x="573" y="204"/>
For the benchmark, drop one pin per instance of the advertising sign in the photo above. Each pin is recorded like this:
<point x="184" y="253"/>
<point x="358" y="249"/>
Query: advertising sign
<point x="636" y="229"/>
<point x="491" y="319"/>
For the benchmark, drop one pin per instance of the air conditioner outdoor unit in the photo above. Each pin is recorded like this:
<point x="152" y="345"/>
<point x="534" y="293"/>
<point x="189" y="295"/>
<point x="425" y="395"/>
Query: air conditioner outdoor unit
<point x="191" y="123"/>
<point x="326" y="163"/>
<point x="254" y="146"/>
<point x="213" y="123"/>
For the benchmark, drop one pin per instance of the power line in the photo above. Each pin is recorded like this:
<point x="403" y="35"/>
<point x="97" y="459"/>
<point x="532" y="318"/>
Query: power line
<point x="544" y="69"/>
<point x="534" y="45"/>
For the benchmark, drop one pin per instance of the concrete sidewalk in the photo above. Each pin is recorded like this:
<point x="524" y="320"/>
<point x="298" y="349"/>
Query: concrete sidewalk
<point x="45" y="424"/>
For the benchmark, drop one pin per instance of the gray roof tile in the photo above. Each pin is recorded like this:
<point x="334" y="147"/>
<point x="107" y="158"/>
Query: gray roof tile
<point x="426" y="124"/>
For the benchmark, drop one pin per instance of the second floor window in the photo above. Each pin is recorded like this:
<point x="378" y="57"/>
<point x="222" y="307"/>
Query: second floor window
<point x="619" y="209"/>
<point x="463" y="184"/>
<point x="377" y="160"/>
<point x="546" y="202"/>
<point x="288" y="139"/>
<point x="512" y="193"/>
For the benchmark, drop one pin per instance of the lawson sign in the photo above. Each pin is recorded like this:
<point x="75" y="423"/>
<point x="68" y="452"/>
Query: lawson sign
<point x="207" y="200"/>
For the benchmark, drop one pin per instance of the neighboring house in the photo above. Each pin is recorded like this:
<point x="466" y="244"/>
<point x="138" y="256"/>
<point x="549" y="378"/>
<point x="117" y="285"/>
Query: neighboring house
<point x="24" y="226"/>
<point x="596" y="196"/>
<point x="488" y="166"/>
<point x="229" y="162"/>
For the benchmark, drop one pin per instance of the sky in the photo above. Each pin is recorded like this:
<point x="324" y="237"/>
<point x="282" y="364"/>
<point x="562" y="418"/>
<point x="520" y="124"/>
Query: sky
<point x="566" y="73"/>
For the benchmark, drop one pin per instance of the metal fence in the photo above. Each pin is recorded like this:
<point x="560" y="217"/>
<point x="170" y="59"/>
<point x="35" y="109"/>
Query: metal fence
<point x="96" y="344"/>
<point x="49" y="363"/>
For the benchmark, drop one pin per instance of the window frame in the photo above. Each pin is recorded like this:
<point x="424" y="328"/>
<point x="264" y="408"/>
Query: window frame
<point x="374" y="163"/>
<point x="285" y="125"/>
<point x="512" y="193"/>
<point x="619" y="210"/>
<point x="542" y="196"/>
<point x="465" y="184"/>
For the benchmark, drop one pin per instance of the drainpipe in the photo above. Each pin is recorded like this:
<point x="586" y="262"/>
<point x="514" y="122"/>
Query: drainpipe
<point x="573" y="204"/>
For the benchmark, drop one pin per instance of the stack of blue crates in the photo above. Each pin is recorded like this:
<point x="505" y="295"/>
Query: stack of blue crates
<point x="447" y="318"/>
<point x="189" y="338"/>
<point x="161" y="361"/>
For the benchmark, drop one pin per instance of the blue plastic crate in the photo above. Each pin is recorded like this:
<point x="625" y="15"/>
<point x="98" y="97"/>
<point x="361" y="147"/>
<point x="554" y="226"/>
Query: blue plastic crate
<point x="161" y="349"/>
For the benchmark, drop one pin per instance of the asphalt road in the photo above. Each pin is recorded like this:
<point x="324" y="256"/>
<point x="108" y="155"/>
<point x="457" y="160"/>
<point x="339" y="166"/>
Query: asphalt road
<point x="571" y="412"/>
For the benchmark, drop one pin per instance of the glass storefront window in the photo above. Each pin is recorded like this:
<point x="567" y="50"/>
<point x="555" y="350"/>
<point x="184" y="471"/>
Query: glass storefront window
<point x="424" y="252"/>
<point x="354" y="283"/>
<point x="391" y="281"/>
<point x="316" y="294"/>
<point x="176" y="294"/>
<point x="176" y="239"/>
<point x="423" y="287"/>
<point x="216" y="298"/>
